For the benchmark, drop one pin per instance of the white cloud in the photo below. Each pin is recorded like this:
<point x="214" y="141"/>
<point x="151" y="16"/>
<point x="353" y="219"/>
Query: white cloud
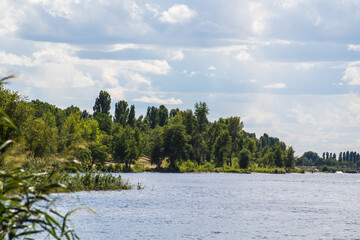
<point x="178" y="13"/>
<point x="61" y="76"/>
<point x="177" y="55"/>
<point x="138" y="79"/>
<point x="211" y="68"/>
<point x="353" y="47"/>
<point x="59" y="8"/>
<point x="243" y="56"/>
<point x="227" y="50"/>
<point x="117" y="93"/>
<point x="259" y="16"/>
<point x="156" y="100"/>
<point x="192" y="73"/>
<point x="303" y="118"/>
<point x="152" y="9"/>
<point x="110" y="76"/>
<point x="159" y="67"/>
<point x="260" y="117"/>
<point x="124" y="46"/>
<point x="275" y="85"/>
<point x="352" y="74"/>
<point x="12" y="59"/>
<point x="287" y="4"/>
<point x="304" y="66"/>
<point x="10" y="18"/>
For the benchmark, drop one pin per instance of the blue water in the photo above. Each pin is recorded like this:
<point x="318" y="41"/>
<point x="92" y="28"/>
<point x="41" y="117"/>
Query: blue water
<point x="222" y="206"/>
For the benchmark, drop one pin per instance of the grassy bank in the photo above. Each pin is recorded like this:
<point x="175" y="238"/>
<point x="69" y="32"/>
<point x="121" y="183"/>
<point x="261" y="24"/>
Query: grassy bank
<point x="189" y="167"/>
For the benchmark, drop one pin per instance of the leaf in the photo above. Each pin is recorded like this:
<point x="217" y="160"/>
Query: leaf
<point x="3" y="80"/>
<point x="6" y="120"/>
<point x="5" y="144"/>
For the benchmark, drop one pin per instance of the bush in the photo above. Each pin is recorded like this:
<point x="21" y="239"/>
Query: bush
<point x="188" y="166"/>
<point x="270" y="170"/>
<point x="207" y="167"/>
<point x="138" y="168"/>
<point x="244" y="158"/>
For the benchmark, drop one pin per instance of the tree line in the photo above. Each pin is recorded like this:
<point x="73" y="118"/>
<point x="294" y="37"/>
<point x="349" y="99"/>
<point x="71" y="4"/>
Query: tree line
<point x="348" y="159"/>
<point x="165" y="136"/>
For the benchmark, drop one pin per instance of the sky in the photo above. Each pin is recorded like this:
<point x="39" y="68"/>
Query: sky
<point x="288" y="68"/>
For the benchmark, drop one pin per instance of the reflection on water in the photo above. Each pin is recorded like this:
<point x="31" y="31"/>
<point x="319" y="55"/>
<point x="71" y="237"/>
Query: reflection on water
<point x="222" y="206"/>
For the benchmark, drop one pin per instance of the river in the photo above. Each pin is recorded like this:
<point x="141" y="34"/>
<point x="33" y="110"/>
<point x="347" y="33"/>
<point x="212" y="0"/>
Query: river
<point x="222" y="206"/>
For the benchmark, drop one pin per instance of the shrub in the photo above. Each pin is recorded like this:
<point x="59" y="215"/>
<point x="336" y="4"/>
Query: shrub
<point x="188" y="166"/>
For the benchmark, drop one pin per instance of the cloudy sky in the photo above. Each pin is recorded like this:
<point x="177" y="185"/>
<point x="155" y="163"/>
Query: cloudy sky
<point x="290" y="68"/>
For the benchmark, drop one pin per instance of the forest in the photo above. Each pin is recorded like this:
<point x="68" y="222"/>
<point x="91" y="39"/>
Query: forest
<point x="172" y="140"/>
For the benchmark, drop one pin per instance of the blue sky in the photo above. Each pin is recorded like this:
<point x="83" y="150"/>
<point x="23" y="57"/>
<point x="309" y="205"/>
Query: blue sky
<point x="290" y="68"/>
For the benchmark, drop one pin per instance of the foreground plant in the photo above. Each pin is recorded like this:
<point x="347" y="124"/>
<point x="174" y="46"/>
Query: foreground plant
<point x="26" y="208"/>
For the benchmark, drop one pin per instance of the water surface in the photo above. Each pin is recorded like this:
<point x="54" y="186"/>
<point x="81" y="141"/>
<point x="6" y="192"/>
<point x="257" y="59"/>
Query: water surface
<point x="222" y="206"/>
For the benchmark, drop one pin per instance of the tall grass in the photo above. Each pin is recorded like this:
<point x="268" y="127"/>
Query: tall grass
<point x="93" y="181"/>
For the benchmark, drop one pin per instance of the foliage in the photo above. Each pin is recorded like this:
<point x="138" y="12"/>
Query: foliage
<point x="175" y="143"/>
<point x="222" y="147"/>
<point x="26" y="208"/>
<point x="21" y="214"/>
<point x="244" y="158"/>
<point x="121" y="112"/>
<point x="102" y="103"/>
<point x="188" y="166"/>
<point x="162" y="136"/>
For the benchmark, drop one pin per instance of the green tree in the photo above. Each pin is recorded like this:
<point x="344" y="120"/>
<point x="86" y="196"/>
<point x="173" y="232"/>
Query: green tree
<point x="222" y="148"/>
<point x="202" y="122"/>
<point x="173" y="112"/>
<point x="244" y="158"/>
<point x="42" y="139"/>
<point x="89" y="130"/>
<point x="157" y="147"/>
<point x="289" y="160"/>
<point x="102" y="103"/>
<point x="234" y="127"/>
<point x="132" y="119"/>
<point x="105" y="123"/>
<point x="201" y="112"/>
<point x="69" y="132"/>
<point x="278" y="157"/>
<point x="175" y="143"/>
<point x="99" y="154"/>
<point x="163" y="115"/>
<point x="126" y="145"/>
<point x="85" y="115"/>
<point x="72" y="110"/>
<point x="153" y="115"/>
<point x="121" y="112"/>
<point x="84" y="155"/>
